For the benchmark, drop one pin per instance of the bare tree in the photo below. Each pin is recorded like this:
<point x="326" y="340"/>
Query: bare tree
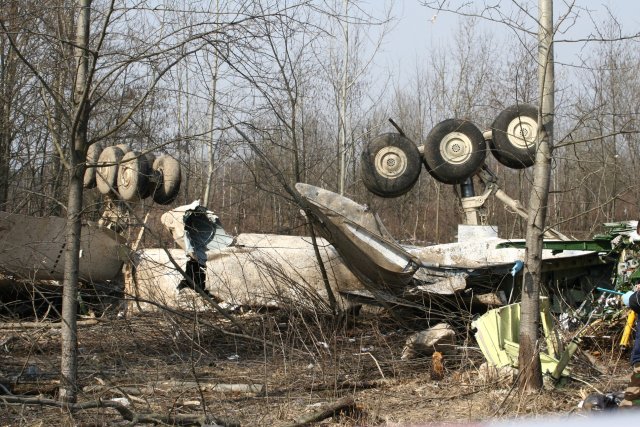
<point x="529" y="355"/>
<point x="347" y="68"/>
<point x="212" y="146"/>
<point x="77" y="154"/>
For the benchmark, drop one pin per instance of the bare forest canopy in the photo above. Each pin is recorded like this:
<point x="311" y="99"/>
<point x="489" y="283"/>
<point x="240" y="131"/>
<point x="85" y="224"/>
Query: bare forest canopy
<point x="301" y="79"/>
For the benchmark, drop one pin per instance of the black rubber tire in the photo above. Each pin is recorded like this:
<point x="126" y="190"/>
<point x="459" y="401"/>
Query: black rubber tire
<point x="167" y="174"/>
<point x="515" y="153"/>
<point x="150" y="188"/>
<point x="454" y="151"/>
<point x="124" y="147"/>
<point x="93" y="154"/>
<point x="390" y="165"/>
<point x="133" y="176"/>
<point x="107" y="169"/>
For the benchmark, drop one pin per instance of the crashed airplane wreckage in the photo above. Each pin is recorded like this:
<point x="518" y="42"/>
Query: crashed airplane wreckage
<point x="364" y="264"/>
<point x="32" y="248"/>
<point x="363" y="261"/>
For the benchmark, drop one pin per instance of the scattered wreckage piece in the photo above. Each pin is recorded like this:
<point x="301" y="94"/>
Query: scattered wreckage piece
<point x="439" y="338"/>
<point x="601" y="402"/>
<point x="33" y="248"/>
<point x="360" y="238"/>
<point x="498" y="334"/>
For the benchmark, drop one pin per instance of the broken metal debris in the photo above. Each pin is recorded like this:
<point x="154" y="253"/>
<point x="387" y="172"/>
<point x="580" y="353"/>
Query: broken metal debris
<point x="498" y="333"/>
<point x="601" y="402"/>
<point x="394" y="274"/>
<point x="440" y="338"/>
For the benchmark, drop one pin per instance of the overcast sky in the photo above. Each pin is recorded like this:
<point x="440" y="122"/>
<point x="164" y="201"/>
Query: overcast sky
<point x="418" y="29"/>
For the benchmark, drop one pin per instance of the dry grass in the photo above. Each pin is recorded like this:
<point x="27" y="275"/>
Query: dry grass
<point x="169" y="364"/>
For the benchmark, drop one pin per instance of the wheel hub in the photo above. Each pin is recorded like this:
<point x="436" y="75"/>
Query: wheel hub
<point x="456" y="148"/>
<point x="391" y="162"/>
<point x="103" y="171"/>
<point x="126" y="178"/>
<point x="522" y="132"/>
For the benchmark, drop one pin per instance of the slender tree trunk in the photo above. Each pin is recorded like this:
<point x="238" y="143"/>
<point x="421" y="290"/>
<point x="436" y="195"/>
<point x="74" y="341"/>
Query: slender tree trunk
<point x="212" y="142"/>
<point x="57" y="169"/>
<point x="529" y="356"/>
<point x="342" y="145"/>
<point x="7" y="87"/>
<point x="68" y="366"/>
<point x="614" y="130"/>
<point x="5" y="146"/>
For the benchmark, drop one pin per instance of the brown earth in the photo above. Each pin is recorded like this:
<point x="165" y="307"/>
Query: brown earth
<point x="178" y="363"/>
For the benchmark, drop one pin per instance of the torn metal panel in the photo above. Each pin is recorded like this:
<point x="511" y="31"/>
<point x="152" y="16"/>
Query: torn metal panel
<point x="448" y="285"/>
<point x="498" y="335"/>
<point x="491" y="253"/>
<point x="33" y="248"/>
<point x="207" y="227"/>
<point x="360" y="238"/>
<point x="333" y="205"/>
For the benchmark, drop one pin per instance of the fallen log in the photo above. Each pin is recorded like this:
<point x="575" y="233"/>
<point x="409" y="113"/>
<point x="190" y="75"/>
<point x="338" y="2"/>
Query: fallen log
<point x="126" y="413"/>
<point x="165" y="386"/>
<point x="343" y="385"/>
<point x="43" y="325"/>
<point x="345" y="404"/>
<point x="36" y="385"/>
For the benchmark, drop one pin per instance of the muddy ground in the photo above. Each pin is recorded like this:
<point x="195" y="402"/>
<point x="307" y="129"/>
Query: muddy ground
<point x="282" y="365"/>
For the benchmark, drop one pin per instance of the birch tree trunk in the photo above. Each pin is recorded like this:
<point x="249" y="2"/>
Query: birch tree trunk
<point x="529" y="356"/>
<point x="77" y="155"/>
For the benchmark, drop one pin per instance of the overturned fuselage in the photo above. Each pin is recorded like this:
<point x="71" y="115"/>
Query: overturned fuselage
<point x="361" y="259"/>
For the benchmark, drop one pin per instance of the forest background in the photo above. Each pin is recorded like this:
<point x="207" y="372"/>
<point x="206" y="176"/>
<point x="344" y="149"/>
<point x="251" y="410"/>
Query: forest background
<point x="312" y="83"/>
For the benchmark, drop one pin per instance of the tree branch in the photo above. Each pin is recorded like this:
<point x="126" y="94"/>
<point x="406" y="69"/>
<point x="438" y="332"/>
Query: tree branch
<point x="126" y="413"/>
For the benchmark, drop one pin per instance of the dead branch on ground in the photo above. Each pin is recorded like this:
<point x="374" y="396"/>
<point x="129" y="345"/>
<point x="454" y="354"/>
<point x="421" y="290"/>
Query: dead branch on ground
<point x="126" y="413"/>
<point x="345" y="404"/>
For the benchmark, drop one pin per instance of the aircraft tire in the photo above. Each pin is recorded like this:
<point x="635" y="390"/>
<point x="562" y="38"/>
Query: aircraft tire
<point x="514" y="133"/>
<point x="167" y="174"/>
<point x="107" y="169"/>
<point x="93" y="154"/>
<point x="133" y="176"/>
<point x="390" y="165"/>
<point x="454" y="151"/>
